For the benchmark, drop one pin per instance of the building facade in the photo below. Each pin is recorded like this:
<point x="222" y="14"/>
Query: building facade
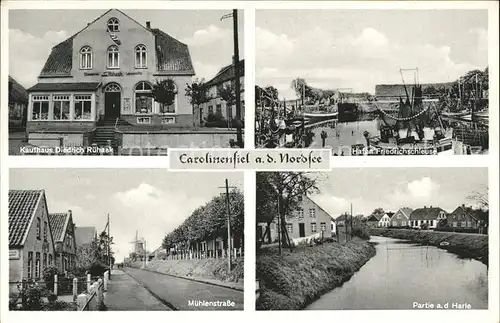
<point x="385" y="220"/>
<point x="63" y="230"/>
<point x="104" y="74"/>
<point x="429" y="216"/>
<point x="217" y="106"/>
<point x="463" y="218"/>
<point x="401" y="218"/>
<point x="18" y="103"/>
<point x="31" y="245"/>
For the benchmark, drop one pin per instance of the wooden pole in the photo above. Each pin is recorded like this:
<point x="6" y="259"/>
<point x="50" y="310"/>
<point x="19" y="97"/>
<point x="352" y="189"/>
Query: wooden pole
<point x="228" y="226"/>
<point x="239" y="135"/>
<point x="109" y="248"/>
<point x="279" y="226"/>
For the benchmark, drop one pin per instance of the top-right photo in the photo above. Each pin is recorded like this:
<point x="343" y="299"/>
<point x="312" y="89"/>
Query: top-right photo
<point x="373" y="82"/>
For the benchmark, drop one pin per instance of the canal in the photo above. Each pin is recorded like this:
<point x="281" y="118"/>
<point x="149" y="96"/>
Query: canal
<point x="402" y="273"/>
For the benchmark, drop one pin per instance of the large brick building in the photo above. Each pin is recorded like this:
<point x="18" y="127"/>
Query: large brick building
<point x="103" y="76"/>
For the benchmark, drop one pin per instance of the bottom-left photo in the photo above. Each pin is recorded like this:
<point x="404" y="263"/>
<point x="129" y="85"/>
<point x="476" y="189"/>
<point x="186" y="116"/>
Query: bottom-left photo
<point x="125" y="240"/>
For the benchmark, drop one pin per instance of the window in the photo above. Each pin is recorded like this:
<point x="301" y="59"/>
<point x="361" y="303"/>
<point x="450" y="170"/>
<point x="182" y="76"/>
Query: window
<point x="83" y="107"/>
<point x="38" y="229"/>
<point x="313" y="227"/>
<point x="301" y="213"/>
<point x="143" y="98"/>
<point x="218" y="110"/>
<point x="30" y="265"/>
<point x="44" y="260"/>
<point x="45" y="225"/>
<point x="113" y="25"/>
<point x="289" y="228"/>
<point x="403" y="223"/>
<point x="40" y="107"/>
<point x="312" y="213"/>
<point x="469" y="224"/>
<point x="323" y="226"/>
<point x="50" y="260"/>
<point x="37" y="265"/>
<point x="210" y="109"/>
<point x="140" y="56"/>
<point x="395" y="223"/>
<point x="143" y="120"/>
<point x="464" y="224"/>
<point x="86" y="58"/>
<point x="168" y="120"/>
<point x="454" y="224"/>
<point x="61" y="107"/>
<point x="113" y="57"/>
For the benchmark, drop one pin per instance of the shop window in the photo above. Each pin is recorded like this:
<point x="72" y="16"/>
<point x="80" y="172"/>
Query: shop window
<point x="61" y="107"/>
<point x="143" y="98"/>
<point x="40" y="107"/>
<point x="86" y="58"/>
<point x="141" y="55"/>
<point x="83" y="107"/>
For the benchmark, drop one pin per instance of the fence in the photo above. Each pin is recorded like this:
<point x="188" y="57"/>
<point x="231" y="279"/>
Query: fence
<point x="205" y="254"/>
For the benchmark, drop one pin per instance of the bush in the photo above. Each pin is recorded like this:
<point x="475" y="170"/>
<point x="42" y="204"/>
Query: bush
<point x="97" y="269"/>
<point x="78" y="271"/>
<point x="60" y="306"/>
<point x="217" y="121"/>
<point x="48" y="275"/>
<point x="32" y="296"/>
<point x="463" y="230"/>
<point x="361" y="232"/>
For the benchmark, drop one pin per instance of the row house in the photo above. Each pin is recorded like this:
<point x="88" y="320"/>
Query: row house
<point x="217" y="106"/>
<point x="429" y="216"/>
<point x="63" y="230"/>
<point x="31" y="243"/>
<point x="307" y="220"/>
<point x="104" y="75"/>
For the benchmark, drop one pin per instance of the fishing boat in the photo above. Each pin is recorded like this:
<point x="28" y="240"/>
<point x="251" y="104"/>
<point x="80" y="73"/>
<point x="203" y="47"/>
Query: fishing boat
<point x="444" y="244"/>
<point x="456" y="114"/>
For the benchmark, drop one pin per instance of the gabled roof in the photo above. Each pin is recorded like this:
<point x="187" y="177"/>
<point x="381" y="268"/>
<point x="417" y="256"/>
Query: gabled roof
<point x="319" y="207"/>
<point x="22" y="207"/>
<point x="226" y="73"/>
<point x="467" y="210"/>
<point x="173" y="57"/>
<point x="375" y="217"/>
<point x="406" y="211"/>
<point x="84" y="235"/>
<point x="17" y="92"/>
<point x="59" y="224"/>
<point x="426" y="213"/>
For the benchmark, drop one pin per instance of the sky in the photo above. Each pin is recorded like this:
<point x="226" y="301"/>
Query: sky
<point x="152" y="201"/>
<point x="358" y="49"/>
<point x="393" y="188"/>
<point x="33" y="33"/>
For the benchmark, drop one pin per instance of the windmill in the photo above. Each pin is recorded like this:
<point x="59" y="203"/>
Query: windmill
<point x="140" y="247"/>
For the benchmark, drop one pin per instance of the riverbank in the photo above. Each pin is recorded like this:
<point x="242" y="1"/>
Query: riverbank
<point x="297" y="278"/>
<point x="213" y="271"/>
<point x="465" y="245"/>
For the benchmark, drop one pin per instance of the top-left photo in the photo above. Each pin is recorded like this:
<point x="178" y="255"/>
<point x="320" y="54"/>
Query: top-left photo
<point x="125" y="82"/>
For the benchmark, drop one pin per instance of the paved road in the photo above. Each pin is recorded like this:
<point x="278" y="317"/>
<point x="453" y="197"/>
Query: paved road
<point x="178" y="292"/>
<point x="126" y="294"/>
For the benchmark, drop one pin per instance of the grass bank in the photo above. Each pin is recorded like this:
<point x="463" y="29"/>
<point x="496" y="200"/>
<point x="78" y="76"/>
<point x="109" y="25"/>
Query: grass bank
<point x="465" y="245"/>
<point x="296" y="279"/>
<point x="216" y="269"/>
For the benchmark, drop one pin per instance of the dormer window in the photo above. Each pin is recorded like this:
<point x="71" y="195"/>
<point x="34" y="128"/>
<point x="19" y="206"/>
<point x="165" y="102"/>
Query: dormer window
<point x="113" y="25"/>
<point x="140" y="56"/>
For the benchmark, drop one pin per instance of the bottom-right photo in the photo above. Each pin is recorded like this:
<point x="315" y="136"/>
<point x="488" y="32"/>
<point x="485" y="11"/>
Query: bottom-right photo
<point x="372" y="238"/>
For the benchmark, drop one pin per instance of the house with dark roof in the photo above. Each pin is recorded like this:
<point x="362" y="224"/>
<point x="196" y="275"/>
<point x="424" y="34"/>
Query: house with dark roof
<point x="429" y="216"/>
<point x="84" y="236"/>
<point x="63" y="231"/>
<point x="307" y="220"/>
<point x="385" y="219"/>
<point x="401" y="218"/>
<point x="18" y="103"/>
<point x="373" y="220"/>
<point x="31" y="244"/>
<point x="217" y="106"/>
<point x="463" y="217"/>
<point x="102" y="78"/>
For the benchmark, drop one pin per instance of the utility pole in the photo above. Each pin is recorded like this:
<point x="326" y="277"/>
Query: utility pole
<point x="352" y="219"/>
<point x="109" y="248"/>
<point x="239" y="135"/>
<point x="228" y="205"/>
<point x="279" y="223"/>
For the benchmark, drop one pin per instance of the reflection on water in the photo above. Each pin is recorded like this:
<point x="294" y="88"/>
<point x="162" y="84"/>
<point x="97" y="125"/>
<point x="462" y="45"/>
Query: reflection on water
<point x="401" y="274"/>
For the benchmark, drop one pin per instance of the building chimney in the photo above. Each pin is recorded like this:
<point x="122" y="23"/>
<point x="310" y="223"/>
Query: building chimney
<point x="148" y="24"/>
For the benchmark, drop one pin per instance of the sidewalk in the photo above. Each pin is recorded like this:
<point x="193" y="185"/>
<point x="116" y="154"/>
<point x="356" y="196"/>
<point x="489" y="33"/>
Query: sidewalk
<point x="126" y="294"/>
<point x="231" y="285"/>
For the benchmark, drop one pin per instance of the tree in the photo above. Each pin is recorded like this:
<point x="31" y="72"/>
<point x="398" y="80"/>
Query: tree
<point x="302" y="89"/>
<point x="198" y="94"/>
<point x="480" y="197"/>
<point x="227" y="94"/>
<point x="378" y="212"/>
<point x="280" y="191"/>
<point x="164" y="92"/>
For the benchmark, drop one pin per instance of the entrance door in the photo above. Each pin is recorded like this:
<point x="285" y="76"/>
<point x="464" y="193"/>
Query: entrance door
<point x="112" y="105"/>
<point x="302" y="230"/>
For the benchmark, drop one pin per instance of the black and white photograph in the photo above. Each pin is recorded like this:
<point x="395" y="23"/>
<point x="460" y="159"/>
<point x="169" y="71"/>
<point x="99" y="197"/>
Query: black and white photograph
<point x="143" y="240"/>
<point x="124" y="82"/>
<point x="393" y="239"/>
<point x="373" y="82"/>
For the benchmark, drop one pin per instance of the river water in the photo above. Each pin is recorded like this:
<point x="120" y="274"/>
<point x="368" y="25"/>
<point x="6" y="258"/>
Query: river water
<point x="402" y="273"/>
